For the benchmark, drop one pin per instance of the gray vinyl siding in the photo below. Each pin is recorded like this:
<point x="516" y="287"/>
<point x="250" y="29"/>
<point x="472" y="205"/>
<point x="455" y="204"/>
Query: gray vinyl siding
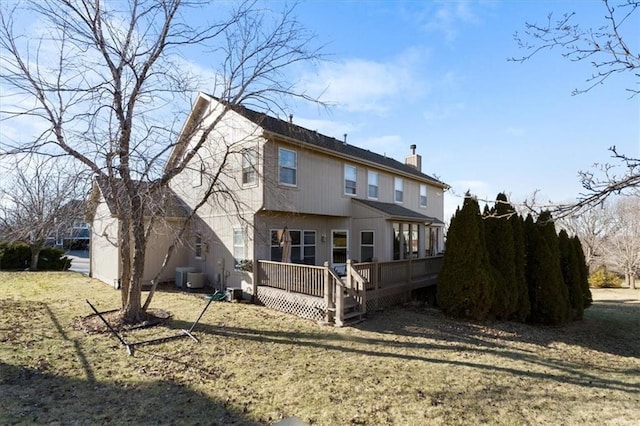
<point x="320" y="185"/>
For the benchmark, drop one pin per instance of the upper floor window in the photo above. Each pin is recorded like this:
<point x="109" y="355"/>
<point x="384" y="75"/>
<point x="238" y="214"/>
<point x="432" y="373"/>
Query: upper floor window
<point x="249" y="160"/>
<point x="350" y="180"/>
<point x="423" y="195"/>
<point x="288" y="167"/>
<point x="399" y="190"/>
<point x="372" y="184"/>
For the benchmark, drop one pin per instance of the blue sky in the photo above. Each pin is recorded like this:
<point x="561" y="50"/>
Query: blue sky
<point x="436" y="74"/>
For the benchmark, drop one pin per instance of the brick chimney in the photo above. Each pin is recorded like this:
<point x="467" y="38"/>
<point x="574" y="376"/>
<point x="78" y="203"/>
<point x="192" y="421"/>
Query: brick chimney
<point x="414" y="160"/>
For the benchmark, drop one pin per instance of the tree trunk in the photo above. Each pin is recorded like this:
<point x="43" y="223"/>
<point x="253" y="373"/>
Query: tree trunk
<point x="125" y="261"/>
<point x="631" y="280"/>
<point x="35" y="256"/>
<point x="133" y="261"/>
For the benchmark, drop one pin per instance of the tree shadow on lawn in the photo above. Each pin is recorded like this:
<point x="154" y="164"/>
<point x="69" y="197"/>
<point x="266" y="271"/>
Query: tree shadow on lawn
<point x="609" y="326"/>
<point x="38" y="395"/>
<point x="564" y="372"/>
<point x="31" y="396"/>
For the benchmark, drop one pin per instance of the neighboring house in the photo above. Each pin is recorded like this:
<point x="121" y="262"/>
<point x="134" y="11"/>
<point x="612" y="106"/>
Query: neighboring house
<point x="71" y="231"/>
<point x="337" y="201"/>
<point x="105" y="232"/>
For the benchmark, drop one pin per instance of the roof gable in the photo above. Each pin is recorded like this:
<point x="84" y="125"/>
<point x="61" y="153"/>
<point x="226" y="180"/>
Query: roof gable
<point x="160" y="201"/>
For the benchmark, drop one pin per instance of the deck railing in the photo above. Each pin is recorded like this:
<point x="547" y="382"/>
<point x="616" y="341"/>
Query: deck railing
<point x="304" y="279"/>
<point x="366" y="283"/>
<point x="398" y="272"/>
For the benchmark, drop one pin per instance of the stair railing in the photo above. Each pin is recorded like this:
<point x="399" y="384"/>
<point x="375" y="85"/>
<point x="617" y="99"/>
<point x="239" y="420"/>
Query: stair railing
<point x="357" y="286"/>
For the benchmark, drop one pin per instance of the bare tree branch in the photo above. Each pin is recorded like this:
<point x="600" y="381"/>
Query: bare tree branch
<point x="108" y="82"/>
<point x="605" y="47"/>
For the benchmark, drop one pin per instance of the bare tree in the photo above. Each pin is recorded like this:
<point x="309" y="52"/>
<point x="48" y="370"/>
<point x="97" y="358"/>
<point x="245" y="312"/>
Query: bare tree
<point x="622" y="247"/>
<point x="38" y="200"/>
<point x="609" y="50"/>
<point x="109" y="81"/>
<point x="593" y="227"/>
<point x="605" y="47"/>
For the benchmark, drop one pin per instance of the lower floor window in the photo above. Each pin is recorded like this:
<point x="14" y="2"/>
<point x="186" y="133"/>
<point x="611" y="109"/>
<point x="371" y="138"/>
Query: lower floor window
<point x="198" y="246"/>
<point x="303" y="246"/>
<point x="406" y="241"/>
<point x="366" y="246"/>
<point x="431" y="245"/>
<point x="241" y="263"/>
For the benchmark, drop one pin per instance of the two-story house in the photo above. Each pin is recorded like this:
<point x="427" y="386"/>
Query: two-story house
<point x="336" y="201"/>
<point x="264" y="175"/>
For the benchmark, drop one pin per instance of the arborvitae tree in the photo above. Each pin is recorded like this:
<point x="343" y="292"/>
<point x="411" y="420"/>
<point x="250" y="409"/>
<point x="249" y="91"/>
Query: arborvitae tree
<point x="465" y="282"/>
<point x="523" y="308"/>
<point x="583" y="278"/>
<point x="551" y="236"/>
<point x="571" y="273"/>
<point x="500" y="245"/>
<point x="548" y="294"/>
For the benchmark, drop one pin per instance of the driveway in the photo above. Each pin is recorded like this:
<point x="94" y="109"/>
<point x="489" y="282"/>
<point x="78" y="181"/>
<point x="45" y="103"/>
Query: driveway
<point x="79" y="261"/>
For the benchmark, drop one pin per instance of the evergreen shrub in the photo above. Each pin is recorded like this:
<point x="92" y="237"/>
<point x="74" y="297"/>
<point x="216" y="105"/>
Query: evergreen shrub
<point x="602" y="278"/>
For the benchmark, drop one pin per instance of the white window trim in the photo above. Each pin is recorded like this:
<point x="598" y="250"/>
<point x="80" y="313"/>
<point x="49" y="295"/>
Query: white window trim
<point x="198" y="246"/>
<point x="377" y="184"/>
<point x="344" y="180"/>
<point x="426" y="196"/>
<point x="395" y="185"/>
<point x="373" y="246"/>
<point x="243" y="246"/>
<point x="253" y="154"/>
<point x="302" y="244"/>
<point x="292" y="185"/>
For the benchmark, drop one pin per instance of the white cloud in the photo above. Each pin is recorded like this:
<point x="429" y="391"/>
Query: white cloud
<point x="388" y="145"/>
<point x="359" y="85"/>
<point x="443" y="111"/>
<point x="448" y="17"/>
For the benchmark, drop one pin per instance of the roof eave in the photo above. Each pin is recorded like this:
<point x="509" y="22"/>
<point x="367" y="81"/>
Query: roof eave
<point x="270" y="134"/>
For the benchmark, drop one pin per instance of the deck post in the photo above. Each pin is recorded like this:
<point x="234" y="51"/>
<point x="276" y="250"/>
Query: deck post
<point x="328" y="298"/>
<point x="339" y="297"/>
<point x="378" y="284"/>
<point x="256" y="280"/>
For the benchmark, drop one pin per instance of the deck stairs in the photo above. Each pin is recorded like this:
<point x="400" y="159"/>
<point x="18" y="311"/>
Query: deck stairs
<point x="352" y="312"/>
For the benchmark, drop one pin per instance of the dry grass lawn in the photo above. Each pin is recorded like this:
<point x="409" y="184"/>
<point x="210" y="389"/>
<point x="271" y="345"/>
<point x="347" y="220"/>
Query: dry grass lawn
<point x="406" y="366"/>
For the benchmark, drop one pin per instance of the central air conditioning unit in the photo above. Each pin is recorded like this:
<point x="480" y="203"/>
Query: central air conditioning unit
<point x="181" y="275"/>
<point x="195" y="280"/>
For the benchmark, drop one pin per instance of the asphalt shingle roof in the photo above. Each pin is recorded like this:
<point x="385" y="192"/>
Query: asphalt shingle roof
<point x="293" y="131"/>
<point x="161" y="201"/>
<point x="397" y="211"/>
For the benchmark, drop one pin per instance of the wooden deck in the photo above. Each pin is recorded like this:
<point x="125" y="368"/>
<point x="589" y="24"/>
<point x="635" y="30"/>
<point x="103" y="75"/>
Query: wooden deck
<point x="316" y="292"/>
